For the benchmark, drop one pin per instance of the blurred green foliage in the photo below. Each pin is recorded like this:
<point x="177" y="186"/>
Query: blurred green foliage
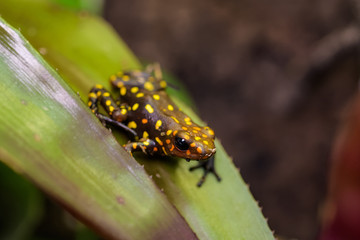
<point x="92" y="6"/>
<point x="21" y="205"/>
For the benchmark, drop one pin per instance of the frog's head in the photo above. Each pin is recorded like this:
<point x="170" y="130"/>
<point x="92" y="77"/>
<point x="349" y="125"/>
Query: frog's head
<point x="195" y="144"/>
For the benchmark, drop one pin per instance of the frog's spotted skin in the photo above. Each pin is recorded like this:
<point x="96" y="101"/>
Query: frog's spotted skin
<point x="159" y="126"/>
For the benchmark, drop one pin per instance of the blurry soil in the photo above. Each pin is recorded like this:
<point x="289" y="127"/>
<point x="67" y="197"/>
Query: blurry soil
<point x="272" y="79"/>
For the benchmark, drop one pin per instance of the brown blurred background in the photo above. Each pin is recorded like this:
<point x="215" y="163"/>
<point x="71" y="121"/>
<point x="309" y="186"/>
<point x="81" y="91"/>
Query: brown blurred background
<point x="271" y="77"/>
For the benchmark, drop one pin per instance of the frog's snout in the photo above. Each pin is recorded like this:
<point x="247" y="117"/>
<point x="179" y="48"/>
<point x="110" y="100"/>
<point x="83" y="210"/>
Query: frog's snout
<point x="210" y="152"/>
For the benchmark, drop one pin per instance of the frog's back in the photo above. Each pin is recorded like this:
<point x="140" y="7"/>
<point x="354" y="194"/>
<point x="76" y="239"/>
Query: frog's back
<point x="153" y="112"/>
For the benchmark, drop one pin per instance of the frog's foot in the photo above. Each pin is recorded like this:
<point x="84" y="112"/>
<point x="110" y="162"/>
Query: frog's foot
<point x="156" y="69"/>
<point x="209" y="167"/>
<point x="129" y="148"/>
<point x="147" y="146"/>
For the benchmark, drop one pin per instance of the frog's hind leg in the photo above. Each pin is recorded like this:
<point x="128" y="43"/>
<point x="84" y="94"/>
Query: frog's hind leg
<point x="209" y="167"/>
<point x="117" y="114"/>
<point x="156" y="69"/>
<point x="98" y="93"/>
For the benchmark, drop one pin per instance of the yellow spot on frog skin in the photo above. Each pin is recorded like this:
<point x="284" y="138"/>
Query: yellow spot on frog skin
<point x="206" y="142"/>
<point x="168" y="141"/>
<point x="122" y="91"/>
<point x="163" y="84"/>
<point x="188" y="152"/>
<point x="193" y="144"/>
<point x="185" y="128"/>
<point x="146" y="143"/>
<point x="168" y="132"/>
<point x="199" y="150"/>
<point x="98" y="93"/>
<point x="111" y="109"/>
<point x="144" y="120"/>
<point x="177" y="121"/>
<point x="158" y="124"/>
<point x="134" y="146"/>
<point x="125" y="78"/>
<point x="132" y="124"/>
<point x="139" y="95"/>
<point x="197" y="138"/>
<point x="149" y="108"/>
<point x="156" y="97"/>
<point x="89" y="103"/>
<point x="120" y="84"/>
<point x="204" y="135"/>
<point x="197" y="128"/>
<point x="149" y="86"/>
<point x="187" y="119"/>
<point x="159" y="141"/>
<point x="106" y="94"/>
<point x="170" y="107"/>
<point x="92" y="95"/>
<point x="145" y="134"/>
<point x="164" y="150"/>
<point x="194" y="131"/>
<point x="112" y="78"/>
<point x="187" y="137"/>
<point x="99" y="86"/>
<point x="211" y="132"/>
<point x="189" y="123"/>
<point x="123" y="111"/>
<point x="175" y="132"/>
<point x="135" y="106"/>
<point x="134" y="89"/>
<point x="108" y="102"/>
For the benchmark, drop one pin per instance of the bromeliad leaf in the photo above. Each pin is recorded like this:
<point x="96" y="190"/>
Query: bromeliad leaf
<point x="47" y="134"/>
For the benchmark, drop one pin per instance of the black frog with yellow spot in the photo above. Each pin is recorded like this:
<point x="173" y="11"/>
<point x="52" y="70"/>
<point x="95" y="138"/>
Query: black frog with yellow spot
<point x="158" y="126"/>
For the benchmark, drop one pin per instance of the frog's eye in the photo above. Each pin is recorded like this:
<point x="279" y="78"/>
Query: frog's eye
<point x="181" y="143"/>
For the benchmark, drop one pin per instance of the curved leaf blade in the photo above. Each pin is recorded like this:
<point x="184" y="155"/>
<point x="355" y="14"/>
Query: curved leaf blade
<point x="47" y="134"/>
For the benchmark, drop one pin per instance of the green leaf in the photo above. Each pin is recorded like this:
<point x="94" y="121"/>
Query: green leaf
<point x="86" y="51"/>
<point x="47" y="134"/>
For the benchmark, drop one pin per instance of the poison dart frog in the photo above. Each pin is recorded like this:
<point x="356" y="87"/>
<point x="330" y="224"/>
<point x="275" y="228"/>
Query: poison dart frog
<point x="157" y="125"/>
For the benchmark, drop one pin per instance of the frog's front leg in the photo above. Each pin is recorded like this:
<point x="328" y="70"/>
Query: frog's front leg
<point x="209" y="167"/>
<point x="148" y="146"/>
<point x="117" y="113"/>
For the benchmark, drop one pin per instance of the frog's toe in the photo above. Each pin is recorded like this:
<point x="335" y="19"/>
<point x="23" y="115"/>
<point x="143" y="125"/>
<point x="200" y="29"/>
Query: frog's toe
<point x="128" y="148"/>
<point x="209" y="167"/>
